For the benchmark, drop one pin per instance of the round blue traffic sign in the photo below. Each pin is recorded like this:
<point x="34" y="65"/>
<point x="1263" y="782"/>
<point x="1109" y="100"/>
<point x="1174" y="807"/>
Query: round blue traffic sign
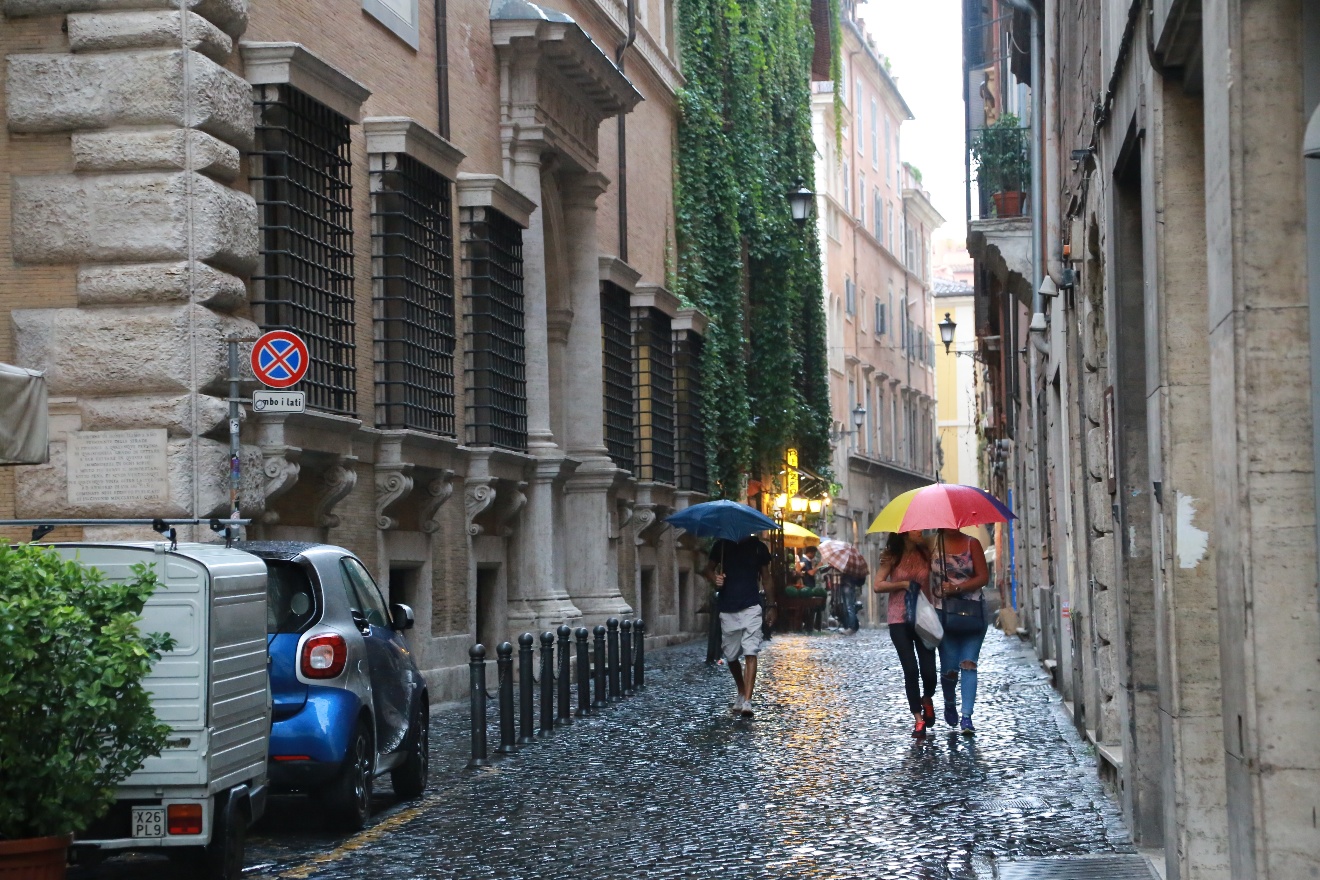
<point x="279" y="359"/>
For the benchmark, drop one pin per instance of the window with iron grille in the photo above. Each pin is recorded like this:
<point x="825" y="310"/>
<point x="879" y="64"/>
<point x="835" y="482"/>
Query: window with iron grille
<point x="303" y="187"/>
<point x="616" y="341"/>
<point x="690" y="439"/>
<point x="653" y="367"/>
<point x="413" y="264"/>
<point x="496" y="352"/>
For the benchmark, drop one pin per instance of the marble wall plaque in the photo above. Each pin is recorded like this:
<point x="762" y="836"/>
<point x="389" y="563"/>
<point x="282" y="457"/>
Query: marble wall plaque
<point x="117" y="467"/>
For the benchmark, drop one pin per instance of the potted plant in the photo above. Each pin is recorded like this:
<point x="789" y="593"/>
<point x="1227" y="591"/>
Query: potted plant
<point x="77" y="720"/>
<point x="1003" y="165"/>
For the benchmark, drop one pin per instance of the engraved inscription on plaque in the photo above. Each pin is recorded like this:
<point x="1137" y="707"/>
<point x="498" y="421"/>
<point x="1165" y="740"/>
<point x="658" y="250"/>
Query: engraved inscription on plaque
<point x="117" y="467"/>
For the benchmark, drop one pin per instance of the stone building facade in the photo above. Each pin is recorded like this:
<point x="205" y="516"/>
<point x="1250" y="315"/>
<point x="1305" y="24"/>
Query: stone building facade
<point x="466" y="213"/>
<point x="1157" y="425"/>
<point x="876" y="225"/>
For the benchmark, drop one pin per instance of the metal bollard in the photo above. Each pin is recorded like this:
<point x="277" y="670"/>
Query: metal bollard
<point x="504" y="661"/>
<point x="477" y="667"/>
<point x="583" y="672"/>
<point x="613" y="663"/>
<point x="525" y="685"/>
<point x="639" y="652"/>
<point x="565" y="676"/>
<point x="547" y="682"/>
<point x="625" y="657"/>
<point x="600" y="700"/>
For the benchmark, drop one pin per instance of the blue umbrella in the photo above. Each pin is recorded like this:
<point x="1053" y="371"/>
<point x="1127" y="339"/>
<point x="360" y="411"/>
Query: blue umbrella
<point x="721" y="519"/>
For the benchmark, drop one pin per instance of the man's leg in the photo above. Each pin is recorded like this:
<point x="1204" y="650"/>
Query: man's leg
<point x="735" y="669"/>
<point x="750" y="678"/>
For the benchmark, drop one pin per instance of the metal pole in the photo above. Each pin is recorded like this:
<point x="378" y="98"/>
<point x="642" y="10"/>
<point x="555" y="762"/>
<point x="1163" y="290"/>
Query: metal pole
<point x="639" y="652"/>
<point x="525" y="683"/>
<point x="625" y="657"/>
<point x="583" y="672"/>
<point x="477" y="668"/>
<point x="613" y="665"/>
<point x="235" y="449"/>
<point x="565" y="675"/>
<point x="504" y="661"/>
<point x="547" y="682"/>
<point x="601" y="700"/>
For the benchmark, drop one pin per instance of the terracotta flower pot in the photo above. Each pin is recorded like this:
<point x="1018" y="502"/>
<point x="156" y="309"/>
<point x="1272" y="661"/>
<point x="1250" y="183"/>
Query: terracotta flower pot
<point x="34" y="858"/>
<point x="1008" y="204"/>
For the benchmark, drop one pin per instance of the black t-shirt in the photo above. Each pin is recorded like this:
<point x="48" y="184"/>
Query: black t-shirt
<point x="808" y="571"/>
<point x="742" y="563"/>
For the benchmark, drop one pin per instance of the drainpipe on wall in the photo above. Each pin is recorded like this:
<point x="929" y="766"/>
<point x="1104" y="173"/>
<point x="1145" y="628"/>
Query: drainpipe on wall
<point x="442" y="67"/>
<point x="623" y="137"/>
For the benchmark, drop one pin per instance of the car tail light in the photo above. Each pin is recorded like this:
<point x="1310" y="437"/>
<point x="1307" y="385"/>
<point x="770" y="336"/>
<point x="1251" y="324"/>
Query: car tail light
<point x="185" y="818"/>
<point x="324" y="656"/>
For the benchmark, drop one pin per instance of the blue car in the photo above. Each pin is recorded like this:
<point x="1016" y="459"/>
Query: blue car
<point x="349" y="703"/>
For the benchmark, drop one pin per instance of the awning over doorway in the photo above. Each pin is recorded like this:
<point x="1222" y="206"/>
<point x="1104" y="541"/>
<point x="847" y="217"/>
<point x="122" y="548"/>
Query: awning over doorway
<point x="23" y="416"/>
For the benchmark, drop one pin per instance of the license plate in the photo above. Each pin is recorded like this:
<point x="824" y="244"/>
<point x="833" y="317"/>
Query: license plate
<point x="148" y="821"/>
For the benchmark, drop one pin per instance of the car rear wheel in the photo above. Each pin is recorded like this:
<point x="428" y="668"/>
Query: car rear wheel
<point x="409" y="778"/>
<point x="350" y="794"/>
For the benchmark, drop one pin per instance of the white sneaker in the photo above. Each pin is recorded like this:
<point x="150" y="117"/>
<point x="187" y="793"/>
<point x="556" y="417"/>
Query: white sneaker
<point x="747" y="709"/>
<point x="738" y="707"/>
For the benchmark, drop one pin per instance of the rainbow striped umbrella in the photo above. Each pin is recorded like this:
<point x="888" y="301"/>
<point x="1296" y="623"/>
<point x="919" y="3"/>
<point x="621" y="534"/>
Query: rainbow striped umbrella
<point x="940" y="506"/>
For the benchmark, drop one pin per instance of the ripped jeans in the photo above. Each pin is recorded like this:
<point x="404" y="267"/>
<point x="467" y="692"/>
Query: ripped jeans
<point x="959" y="653"/>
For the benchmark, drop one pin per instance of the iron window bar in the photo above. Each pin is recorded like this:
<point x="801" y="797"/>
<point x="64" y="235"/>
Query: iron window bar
<point x="689" y="433"/>
<point x="653" y="369"/>
<point x="616" y="341"/>
<point x="496" y="365"/>
<point x="412" y="263"/>
<point x="302" y="182"/>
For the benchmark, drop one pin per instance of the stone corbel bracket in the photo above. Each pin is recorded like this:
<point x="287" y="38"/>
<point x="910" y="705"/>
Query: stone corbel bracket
<point x="644" y="521"/>
<point x="280" y="464"/>
<point x="440" y="489"/>
<point x="337" y="481"/>
<point x="478" y="498"/>
<point x="513" y="497"/>
<point x="393" y="483"/>
<point x="624" y="512"/>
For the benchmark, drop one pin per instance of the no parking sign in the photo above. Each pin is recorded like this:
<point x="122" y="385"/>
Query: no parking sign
<point x="279" y="359"/>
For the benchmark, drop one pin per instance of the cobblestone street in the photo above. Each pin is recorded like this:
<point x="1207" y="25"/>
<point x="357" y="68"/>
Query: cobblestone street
<point x="825" y="782"/>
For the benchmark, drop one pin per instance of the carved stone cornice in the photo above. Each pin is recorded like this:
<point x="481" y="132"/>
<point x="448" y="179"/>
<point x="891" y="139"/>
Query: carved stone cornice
<point x="439" y="490"/>
<point x="336" y="482"/>
<point x="556" y="85"/>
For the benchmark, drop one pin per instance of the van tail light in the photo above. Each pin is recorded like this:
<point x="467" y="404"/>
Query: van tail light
<point x="185" y="818"/>
<point x="324" y="656"/>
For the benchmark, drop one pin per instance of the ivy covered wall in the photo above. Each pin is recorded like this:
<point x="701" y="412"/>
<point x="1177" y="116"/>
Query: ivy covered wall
<point x="744" y="141"/>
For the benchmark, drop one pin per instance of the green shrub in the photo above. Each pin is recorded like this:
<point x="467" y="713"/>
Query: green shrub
<point x="1002" y="155"/>
<point x="76" y="720"/>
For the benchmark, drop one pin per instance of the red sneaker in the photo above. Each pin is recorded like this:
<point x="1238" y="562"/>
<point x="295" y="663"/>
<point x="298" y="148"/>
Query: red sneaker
<point x="919" y="728"/>
<point x="928" y="712"/>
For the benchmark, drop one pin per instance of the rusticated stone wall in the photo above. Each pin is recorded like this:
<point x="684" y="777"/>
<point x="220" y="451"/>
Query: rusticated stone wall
<point x="147" y="129"/>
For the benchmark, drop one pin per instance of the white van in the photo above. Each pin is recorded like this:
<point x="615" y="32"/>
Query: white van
<point x="197" y="798"/>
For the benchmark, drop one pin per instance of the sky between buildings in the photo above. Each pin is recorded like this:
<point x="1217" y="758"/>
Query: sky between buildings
<point x="923" y="41"/>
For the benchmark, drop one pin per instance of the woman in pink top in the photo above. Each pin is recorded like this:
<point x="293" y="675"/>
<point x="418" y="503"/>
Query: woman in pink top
<point x="906" y="559"/>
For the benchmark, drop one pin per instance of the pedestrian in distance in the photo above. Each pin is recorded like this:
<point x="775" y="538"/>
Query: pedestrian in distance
<point x="738" y="570"/>
<point x="849" y="586"/>
<point x="960" y="573"/>
<point x="905" y="566"/>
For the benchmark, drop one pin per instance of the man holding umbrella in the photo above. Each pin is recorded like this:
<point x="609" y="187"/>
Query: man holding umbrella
<point x="738" y="569"/>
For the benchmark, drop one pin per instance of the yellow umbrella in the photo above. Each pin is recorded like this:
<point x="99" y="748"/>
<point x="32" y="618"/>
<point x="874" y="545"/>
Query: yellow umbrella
<point x="793" y="530"/>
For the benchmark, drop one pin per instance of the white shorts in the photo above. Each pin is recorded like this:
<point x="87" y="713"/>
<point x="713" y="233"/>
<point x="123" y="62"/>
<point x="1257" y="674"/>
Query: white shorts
<point x="740" y="633"/>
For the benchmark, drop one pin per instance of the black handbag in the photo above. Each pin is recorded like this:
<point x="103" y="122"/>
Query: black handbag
<point x="961" y="616"/>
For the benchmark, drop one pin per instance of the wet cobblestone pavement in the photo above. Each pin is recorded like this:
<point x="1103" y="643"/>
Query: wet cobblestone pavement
<point x="826" y="782"/>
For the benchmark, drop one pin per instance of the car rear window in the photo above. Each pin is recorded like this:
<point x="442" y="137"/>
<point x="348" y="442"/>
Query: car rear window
<point x="286" y="580"/>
